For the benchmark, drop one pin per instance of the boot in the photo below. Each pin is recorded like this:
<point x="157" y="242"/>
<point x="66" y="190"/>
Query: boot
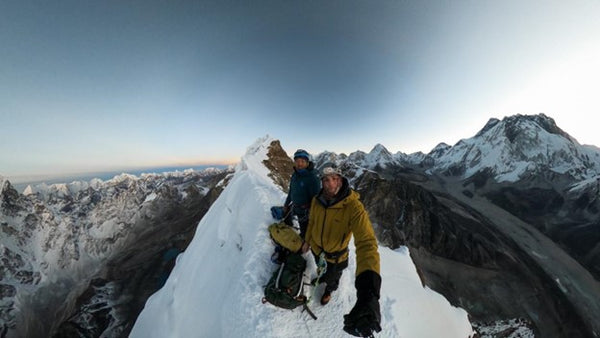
<point x="326" y="297"/>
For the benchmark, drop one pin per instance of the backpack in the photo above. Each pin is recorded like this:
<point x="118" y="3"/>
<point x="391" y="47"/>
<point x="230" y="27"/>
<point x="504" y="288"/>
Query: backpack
<point x="285" y="236"/>
<point x="286" y="286"/>
<point x="285" y="289"/>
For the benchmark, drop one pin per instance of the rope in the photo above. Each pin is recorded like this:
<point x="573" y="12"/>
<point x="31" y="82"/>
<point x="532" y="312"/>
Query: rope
<point x="321" y="269"/>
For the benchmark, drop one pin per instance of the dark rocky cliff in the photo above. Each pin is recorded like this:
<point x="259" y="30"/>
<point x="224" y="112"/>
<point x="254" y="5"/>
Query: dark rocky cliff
<point x="463" y="253"/>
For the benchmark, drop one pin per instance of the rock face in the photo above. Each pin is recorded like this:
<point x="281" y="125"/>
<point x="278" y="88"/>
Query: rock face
<point x="280" y="165"/>
<point x="530" y="167"/>
<point x="82" y="258"/>
<point x="465" y="255"/>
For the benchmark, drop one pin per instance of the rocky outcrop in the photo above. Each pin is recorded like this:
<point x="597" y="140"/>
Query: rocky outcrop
<point x="280" y="165"/>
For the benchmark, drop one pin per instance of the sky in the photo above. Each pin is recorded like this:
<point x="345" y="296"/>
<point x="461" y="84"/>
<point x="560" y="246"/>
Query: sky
<point x="102" y="85"/>
<point x="222" y="297"/>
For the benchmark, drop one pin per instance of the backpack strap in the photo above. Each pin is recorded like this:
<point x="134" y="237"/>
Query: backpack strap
<point x="279" y="275"/>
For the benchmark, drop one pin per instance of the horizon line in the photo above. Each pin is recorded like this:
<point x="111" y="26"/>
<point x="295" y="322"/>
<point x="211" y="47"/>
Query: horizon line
<point x="25" y="178"/>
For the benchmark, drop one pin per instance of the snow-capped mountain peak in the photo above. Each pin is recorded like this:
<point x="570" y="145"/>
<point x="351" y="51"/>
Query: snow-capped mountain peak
<point x="439" y="150"/>
<point x="379" y="155"/>
<point x="489" y="125"/>
<point x="516" y="147"/>
<point x="327" y="157"/>
<point x="379" y="149"/>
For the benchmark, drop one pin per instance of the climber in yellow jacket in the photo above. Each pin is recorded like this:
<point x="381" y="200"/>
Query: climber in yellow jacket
<point x="336" y="214"/>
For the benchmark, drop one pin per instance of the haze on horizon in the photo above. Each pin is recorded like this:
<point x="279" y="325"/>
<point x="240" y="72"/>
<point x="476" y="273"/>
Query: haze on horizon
<point x="97" y="86"/>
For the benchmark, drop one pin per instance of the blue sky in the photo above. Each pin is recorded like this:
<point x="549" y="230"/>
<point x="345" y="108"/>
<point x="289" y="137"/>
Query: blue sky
<point x="102" y="85"/>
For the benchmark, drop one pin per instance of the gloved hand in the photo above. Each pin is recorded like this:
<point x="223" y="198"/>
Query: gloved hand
<point x="277" y="212"/>
<point x="365" y="317"/>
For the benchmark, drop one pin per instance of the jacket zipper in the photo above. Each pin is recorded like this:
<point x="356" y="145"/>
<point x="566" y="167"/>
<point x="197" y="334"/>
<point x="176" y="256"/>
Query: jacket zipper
<point x="323" y="230"/>
<point x="343" y="238"/>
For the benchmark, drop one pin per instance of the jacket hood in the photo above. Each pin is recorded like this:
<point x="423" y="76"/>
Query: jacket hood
<point x="311" y="167"/>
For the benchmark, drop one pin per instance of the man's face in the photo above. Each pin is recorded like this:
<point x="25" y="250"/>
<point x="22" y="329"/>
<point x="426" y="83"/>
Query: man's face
<point x="331" y="185"/>
<point x="301" y="163"/>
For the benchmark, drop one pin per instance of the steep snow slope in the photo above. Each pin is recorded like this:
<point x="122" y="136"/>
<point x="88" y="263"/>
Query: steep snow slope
<point x="216" y="287"/>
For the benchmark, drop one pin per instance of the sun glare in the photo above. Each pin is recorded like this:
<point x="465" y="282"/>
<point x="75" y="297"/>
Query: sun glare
<point x="565" y="89"/>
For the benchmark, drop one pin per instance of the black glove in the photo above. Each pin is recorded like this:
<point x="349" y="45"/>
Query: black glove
<point x="365" y="316"/>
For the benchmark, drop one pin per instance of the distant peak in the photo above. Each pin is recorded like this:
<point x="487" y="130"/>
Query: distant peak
<point x="260" y="143"/>
<point x="516" y="123"/>
<point x="441" y="146"/>
<point x="379" y="148"/>
<point x="489" y="125"/>
<point x="439" y="150"/>
<point x="28" y="190"/>
<point x="541" y="119"/>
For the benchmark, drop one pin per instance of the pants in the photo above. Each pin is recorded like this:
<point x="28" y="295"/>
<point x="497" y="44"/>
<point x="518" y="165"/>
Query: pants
<point x="303" y="225"/>
<point x="333" y="274"/>
<point x="302" y="221"/>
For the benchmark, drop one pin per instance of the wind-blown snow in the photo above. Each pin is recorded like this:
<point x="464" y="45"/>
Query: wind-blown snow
<point x="216" y="287"/>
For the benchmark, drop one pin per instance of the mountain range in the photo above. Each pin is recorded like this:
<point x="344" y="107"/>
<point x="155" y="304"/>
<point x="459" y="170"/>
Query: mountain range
<point x="79" y="259"/>
<point x="509" y="214"/>
<point x="505" y="224"/>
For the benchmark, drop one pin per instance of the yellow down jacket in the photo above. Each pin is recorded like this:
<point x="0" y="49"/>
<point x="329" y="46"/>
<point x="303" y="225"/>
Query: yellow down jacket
<point x="331" y="227"/>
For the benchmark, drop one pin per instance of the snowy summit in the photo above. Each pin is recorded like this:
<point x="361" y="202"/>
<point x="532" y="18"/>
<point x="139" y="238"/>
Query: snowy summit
<point x="216" y="287"/>
<point x="518" y="146"/>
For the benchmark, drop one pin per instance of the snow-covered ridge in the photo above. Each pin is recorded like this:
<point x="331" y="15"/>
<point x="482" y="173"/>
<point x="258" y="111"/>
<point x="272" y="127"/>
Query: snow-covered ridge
<point x="219" y="279"/>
